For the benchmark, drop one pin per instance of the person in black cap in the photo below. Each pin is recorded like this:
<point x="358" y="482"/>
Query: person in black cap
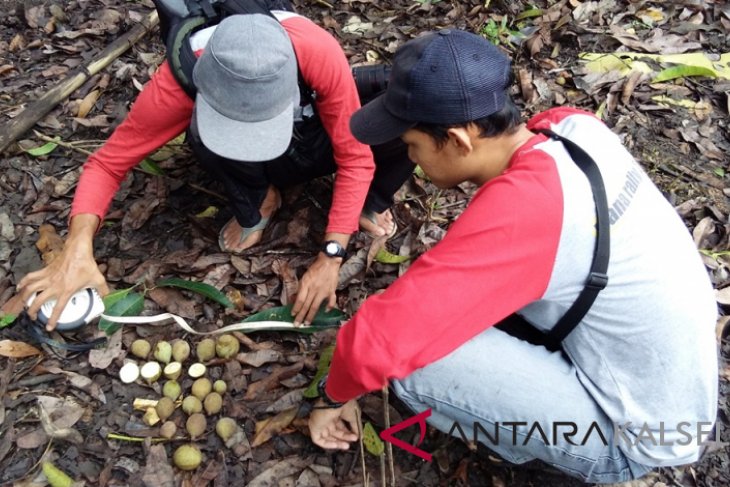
<point x="274" y="95"/>
<point x="462" y="336"/>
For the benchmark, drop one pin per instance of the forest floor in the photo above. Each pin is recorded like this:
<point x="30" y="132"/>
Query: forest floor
<point x="60" y="407"/>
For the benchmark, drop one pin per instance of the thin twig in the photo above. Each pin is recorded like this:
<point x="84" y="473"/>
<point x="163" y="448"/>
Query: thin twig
<point x="323" y="3"/>
<point x="139" y="439"/>
<point x="61" y="143"/>
<point x="362" y="448"/>
<point x="388" y="445"/>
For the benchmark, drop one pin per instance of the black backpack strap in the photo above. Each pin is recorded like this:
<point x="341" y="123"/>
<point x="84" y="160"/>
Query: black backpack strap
<point x="598" y="276"/>
<point x="180" y="55"/>
<point x="202" y="13"/>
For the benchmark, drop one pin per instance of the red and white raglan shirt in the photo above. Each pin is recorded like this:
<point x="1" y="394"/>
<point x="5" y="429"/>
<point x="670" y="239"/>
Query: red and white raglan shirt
<point x="163" y="111"/>
<point x="645" y="351"/>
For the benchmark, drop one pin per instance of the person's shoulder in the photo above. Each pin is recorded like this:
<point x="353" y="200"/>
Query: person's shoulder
<point x="295" y="23"/>
<point x="545" y="120"/>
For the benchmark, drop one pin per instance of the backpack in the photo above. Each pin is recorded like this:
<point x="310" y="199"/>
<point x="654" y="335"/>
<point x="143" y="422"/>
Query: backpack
<point x="179" y="19"/>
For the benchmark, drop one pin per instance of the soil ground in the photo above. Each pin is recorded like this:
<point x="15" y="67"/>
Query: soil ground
<point x="683" y="148"/>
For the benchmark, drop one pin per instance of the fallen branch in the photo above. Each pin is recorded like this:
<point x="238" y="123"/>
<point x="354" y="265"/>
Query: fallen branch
<point x="10" y="131"/>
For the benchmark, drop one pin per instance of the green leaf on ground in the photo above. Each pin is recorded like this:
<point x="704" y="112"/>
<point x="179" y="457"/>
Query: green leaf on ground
<point x="323" y="318"/>
<point x="682" y="72"/>
<point x="197" y="287"/>
<point x="7" y="319"/>
<point x="385" y="257"/>
<point x="323" y="366"/>
<point x="150" y="167"/>
<point x="373" y="444"/>
<point x="115" y="296"/>
<point x="130" y="305"/>
<point x="528" y="14"/>
<point x="44" y="149"/>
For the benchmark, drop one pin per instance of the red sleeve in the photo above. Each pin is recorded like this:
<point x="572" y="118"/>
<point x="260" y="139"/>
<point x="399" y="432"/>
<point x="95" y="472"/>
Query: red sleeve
<point x="325" y="69"/>
<point x="161" y="112"/>
<point x="495" y="259"/>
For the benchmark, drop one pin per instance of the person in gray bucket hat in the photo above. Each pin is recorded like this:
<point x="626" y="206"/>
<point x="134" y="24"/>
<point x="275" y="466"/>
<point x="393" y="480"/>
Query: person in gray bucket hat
<point x="472" y="338"/>
<point x="269" y="108"/>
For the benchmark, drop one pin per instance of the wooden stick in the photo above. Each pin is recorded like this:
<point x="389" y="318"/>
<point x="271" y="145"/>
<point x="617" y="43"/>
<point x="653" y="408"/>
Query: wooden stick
<point x="10" y="131"/>
<point x="388" y="445"/>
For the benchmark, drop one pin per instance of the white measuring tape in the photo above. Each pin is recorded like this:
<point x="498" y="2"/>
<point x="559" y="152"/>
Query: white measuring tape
<point x="86" y="305"/>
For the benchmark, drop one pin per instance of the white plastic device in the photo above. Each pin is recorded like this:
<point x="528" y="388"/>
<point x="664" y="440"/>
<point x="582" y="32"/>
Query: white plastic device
<point x="83" y="307"/>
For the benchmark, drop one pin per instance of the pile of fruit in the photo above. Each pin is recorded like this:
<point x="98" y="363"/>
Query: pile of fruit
<point x="203" y="400"/>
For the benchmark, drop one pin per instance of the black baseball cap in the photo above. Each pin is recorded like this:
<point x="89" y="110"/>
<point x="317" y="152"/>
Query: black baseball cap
<point x="445" y="77"/>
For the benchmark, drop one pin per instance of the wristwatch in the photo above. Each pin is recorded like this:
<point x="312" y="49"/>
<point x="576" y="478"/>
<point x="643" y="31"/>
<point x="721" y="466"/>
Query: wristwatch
<point x="333" y="249"/>
<point x="323" y="394"/>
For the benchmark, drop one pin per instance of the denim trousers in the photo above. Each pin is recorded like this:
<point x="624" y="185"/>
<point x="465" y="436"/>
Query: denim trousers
<point x="502" y="387"/>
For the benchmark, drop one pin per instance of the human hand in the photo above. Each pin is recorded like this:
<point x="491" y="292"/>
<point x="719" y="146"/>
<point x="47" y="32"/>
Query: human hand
<point x="334" y="427"/>
<point x="74" y="269"/>
<point x="318" y="284"/>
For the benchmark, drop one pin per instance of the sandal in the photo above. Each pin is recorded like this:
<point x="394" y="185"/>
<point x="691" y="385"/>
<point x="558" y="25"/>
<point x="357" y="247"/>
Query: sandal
<point x="261" y="225"/>
<point x="372" y="217"/>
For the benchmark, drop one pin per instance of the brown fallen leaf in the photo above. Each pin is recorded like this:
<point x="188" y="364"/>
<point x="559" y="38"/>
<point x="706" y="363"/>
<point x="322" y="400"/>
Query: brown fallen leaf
<point x="289" y="400"/>
<point x="234" y="377"/>
<point x="208" y="474"/>
<point x="87" y="103"/>
<point x="13" y="349"/>
<point x="157" y="471"/>
<point x="13" y="306"/>
<point x="285" y="468"/>
<point x="17" y="43"/>
<point x="270" y="382"/>
<point x="49" y="243"/>
<point x="173" y="301"/>
<point x="85" y="383"/>
<point x="69" y="180"/>
<point x="139" y="212"/>
<point x="32" y="440"/>
<point x="259" y="357"/>
<point x="206" y="261"/>
<point x="275" y="425"/>
<point x="57" y="420"/>
<point x="288" y="278"/>
<point x="220" y="276"/>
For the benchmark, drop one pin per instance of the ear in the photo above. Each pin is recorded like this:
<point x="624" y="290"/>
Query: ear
<point x="461" y="140"/>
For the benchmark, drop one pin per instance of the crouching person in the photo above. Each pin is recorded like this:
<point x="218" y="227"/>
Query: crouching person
<point x="599" y="400"/>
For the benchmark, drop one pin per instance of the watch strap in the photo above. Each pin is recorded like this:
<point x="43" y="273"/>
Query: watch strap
<point x="323" y="395"/>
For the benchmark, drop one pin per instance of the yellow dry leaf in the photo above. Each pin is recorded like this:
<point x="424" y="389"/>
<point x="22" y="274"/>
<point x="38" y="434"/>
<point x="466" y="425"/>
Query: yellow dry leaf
<point x="650" y="14"/>
<point x="17" y="43"/>
<point x="209" y="212"/>
<point x="625" y="62"/>
<point x="13" y="349"/>
<point x="665" y="100"/>
<point x="238" y="299"/>
<point x="87" y="103"/>
<point x="701" y="109"/>
<point x="267" y="428"/>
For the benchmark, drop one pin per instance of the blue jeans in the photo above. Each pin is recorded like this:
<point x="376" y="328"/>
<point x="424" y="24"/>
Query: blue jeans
<point x="515" y="391"/>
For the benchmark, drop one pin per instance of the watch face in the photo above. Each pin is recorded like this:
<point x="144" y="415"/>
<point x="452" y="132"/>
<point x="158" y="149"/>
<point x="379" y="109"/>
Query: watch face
<point x="332" y="248"/>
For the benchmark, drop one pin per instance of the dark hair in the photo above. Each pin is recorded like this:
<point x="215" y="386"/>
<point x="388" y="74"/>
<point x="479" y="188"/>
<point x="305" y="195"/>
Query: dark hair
<point x="505" y="120"/>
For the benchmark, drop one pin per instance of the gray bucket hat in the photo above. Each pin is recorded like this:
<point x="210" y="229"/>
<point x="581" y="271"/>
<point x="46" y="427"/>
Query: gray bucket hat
<point x="247" y="89"/>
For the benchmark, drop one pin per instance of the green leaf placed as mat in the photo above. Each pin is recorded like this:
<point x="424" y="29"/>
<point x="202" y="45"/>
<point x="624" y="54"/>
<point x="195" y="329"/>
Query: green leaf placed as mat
<point x="198" y="287"/>
<point x="130" y="305"/>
